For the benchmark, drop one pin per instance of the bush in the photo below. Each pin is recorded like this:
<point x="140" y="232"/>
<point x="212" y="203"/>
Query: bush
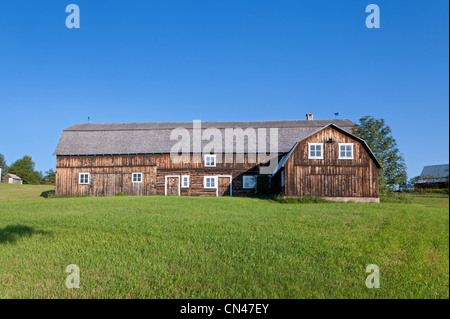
<point x="48" y="194"/>
<point x="120" y="194"/>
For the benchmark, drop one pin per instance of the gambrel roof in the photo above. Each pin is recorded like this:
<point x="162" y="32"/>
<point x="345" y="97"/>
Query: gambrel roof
<point x="151" y="138"/>
<point x="364" y="143"/>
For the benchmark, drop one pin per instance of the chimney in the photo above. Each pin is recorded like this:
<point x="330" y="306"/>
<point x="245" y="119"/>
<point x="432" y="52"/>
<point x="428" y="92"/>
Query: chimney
<point x="309" y="116"/>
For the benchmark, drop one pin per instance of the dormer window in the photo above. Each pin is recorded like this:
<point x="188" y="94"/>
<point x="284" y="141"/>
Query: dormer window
<point x="315" y="151"/>
<point x="210" y="160"/>
<point x="345" y="150"/>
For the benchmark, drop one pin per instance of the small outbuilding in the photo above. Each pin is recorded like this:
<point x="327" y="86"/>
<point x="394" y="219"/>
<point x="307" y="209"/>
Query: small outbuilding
<point x="12" y="179"/>
<point x="433" y="176"/>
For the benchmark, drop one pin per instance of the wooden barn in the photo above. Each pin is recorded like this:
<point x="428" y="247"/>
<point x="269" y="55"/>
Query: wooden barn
<point x="135" y="158"/>
<point x="331" y="163"/>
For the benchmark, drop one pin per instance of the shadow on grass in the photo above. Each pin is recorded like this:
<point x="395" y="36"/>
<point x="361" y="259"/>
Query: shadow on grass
<point x="11" y="233"/>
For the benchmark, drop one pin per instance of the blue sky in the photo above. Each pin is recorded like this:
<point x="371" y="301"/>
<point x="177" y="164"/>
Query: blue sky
<point x="233" y="60"/>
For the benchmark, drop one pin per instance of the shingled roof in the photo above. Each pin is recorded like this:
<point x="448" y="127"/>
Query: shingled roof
<point x="13" y="176"/>
<point x="150" y="138"/>
<point x="434" y="173"/>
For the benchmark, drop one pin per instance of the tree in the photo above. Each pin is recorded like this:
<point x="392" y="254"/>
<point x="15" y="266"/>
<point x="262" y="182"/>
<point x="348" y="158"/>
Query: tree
<point x="49" y="177"/>
<point x="24" y="168"/>
<point x="379" y="138"/>
<point x="3" y="164"/>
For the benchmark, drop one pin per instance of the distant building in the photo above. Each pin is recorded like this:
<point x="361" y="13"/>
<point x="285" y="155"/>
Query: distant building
<point x="433" y="176"/>
<point x="12" y="179"/>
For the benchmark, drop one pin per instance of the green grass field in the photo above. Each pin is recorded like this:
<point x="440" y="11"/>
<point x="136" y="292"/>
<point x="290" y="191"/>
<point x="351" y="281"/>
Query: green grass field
<point x="188" y="247"/>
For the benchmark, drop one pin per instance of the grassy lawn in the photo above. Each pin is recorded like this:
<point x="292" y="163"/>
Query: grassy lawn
<point x="189" y="247"/>
<point x="9" y="191"/>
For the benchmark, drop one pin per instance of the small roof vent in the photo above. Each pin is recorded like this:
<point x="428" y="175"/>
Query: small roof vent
<point x="309" y="116"/>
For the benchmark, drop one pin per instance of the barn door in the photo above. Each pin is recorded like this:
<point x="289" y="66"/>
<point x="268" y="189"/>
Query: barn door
<point x="343" y="186"/>
<point x="108" y="184"/>
<point x="172" y="186"/>
<point x="224" y="184"/>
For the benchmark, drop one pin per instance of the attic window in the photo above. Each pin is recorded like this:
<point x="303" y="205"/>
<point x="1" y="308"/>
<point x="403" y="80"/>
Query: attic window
<point x="315" y="150"/>
<point x="345" y="150"/>
<point x="210" y="160"/>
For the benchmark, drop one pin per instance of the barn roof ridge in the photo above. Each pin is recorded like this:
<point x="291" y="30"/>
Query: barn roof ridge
<point x="150" y="126"/>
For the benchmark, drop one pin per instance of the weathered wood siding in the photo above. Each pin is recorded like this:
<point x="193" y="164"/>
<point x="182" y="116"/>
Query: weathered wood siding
<point x="111" y="174"/>
<point x="331" y="176"/>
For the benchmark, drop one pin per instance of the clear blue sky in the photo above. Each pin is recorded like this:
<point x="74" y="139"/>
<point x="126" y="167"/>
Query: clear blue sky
<point x="228" y="60"/>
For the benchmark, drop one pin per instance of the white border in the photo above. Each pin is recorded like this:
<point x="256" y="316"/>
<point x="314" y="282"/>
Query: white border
<point x="309" y="151"/>
<point x="353" y="151"/>
<point x="165" y="184"/>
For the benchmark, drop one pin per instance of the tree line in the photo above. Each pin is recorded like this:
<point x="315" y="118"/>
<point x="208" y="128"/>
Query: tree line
<point x="24" y="168"/>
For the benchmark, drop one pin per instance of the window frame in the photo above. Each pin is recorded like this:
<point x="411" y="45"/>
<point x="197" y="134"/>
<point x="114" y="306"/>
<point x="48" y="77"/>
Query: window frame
<point x="215" y="182"/>
<point x="309" y="151"/>
<point x="345" y="157"/>
<point x="244" y="177"/>
<point x="88" y="178"/>
<point x="206" y="161"/>
<point x="132" y="177"/>
<point x="182" y="181"/>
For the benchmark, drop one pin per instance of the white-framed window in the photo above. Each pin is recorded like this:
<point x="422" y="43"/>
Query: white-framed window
<point x="249" y="182"/>
<point x="315" y="150"/>
<point x="84" y="178"/>
<point x="345" y="150"/>
<point x="210" y="160"/>
<point x="210" y="182"/>
<point x="137" y="177"/>
<point x="185" y="181"/>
